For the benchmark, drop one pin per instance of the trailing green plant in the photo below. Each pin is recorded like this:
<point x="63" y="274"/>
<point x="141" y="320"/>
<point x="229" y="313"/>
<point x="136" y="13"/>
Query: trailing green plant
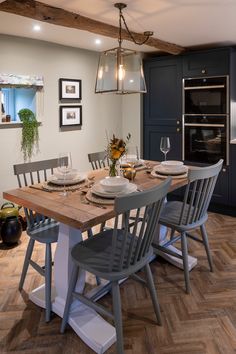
<point x="30" y="133"/>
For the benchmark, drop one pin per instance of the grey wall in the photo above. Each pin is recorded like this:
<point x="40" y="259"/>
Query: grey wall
<point x="100" y="112"/>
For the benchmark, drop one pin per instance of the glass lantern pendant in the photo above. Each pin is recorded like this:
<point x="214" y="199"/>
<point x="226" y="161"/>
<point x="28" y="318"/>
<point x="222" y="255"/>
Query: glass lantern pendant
<point x="120" y="70"/>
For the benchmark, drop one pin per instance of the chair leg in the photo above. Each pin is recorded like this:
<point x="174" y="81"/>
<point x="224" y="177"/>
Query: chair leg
<point x="172" y="233"/>
<point x="206" y="244"/>
<point x="73" y="280"/>
<point x="153" y="293"/>
<point x="48" y="281"/>
<point x="117" y="317"/>
<point x="102" y="226"/>
<point x="26" y="262"/>
<point x="184" y="247"/>
<point x="89" y="233"/>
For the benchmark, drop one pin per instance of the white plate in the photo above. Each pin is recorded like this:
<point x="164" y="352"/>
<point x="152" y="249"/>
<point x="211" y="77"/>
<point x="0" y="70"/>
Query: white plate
<point x="166" y="171"/>
<point x="156" y="174"/>
<point x="60" y="182"/>
<point x="137" y="163"/>
<point x="98" y="190"/>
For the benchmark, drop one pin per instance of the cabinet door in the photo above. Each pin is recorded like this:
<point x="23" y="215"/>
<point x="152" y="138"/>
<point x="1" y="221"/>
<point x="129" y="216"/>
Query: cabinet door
<point x="221" y="191"/>
<point x="213" y="62"/>
<point x="232" y="175"/>
<point x="152" y="137"/>
<point x="162" y="102"/>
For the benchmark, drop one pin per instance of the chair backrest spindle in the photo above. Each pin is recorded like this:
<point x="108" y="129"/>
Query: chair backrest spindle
<point x="198" y="193"/>
<point x="27" y="172"/>
<point x="98" y="159"/>
<point x="133" y="244"/>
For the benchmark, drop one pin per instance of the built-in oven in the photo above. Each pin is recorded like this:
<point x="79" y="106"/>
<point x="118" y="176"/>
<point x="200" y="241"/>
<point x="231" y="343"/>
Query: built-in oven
<point x="205" y="139"/>
<point x="205" y="119"/>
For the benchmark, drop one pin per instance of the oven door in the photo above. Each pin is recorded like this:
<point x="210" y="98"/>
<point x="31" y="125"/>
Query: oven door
<point x="206" y="96"/>
<point x="205" y="143"/>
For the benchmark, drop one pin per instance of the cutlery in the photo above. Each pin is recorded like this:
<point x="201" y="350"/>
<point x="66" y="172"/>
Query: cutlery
<point x="40" y="189"/>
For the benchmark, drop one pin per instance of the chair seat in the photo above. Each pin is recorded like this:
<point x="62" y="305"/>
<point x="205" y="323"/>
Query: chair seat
<point x="93" y="255"/>
<point x="170" y="216"/>
<point x="45" y="233"/>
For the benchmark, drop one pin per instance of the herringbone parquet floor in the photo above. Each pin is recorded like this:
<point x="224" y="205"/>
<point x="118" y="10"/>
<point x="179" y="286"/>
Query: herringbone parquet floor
<point x="201" y="323"/>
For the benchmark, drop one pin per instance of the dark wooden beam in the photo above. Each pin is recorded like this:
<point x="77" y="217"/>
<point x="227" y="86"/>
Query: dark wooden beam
<point x="60" y="17"/>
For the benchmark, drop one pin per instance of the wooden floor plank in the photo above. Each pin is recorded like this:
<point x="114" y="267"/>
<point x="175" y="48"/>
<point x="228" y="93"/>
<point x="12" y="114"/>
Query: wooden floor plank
<point x="203" y="322"/>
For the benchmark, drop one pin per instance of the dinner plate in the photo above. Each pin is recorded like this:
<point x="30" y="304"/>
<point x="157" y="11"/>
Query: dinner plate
<point x="135" y="163"/>
<point x="166" y="171"/>
<point x="98" y="190"/>
<point x="157" y="175"/>
<point x="77" y="179"/>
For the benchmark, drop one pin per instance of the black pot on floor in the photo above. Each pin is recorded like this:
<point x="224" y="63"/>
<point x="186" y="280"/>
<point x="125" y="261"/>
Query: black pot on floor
<point x="11" y="230"/>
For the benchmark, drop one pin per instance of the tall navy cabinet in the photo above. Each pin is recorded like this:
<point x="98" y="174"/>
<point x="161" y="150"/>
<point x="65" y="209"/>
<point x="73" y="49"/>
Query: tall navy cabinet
<point x="162" y="106"/>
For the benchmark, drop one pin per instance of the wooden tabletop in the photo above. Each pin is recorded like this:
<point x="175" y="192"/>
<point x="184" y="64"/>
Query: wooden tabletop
<point x="70" y="210"/>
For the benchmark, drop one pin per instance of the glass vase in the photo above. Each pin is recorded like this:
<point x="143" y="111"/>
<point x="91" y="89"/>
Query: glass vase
<point x="113" y="168"/>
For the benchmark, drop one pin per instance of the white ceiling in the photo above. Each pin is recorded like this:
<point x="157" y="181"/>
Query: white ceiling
<point x="184" y="22"/>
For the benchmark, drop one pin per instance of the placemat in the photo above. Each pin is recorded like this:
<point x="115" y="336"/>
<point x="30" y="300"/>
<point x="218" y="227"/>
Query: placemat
<point x="53" y="187"/>
<point x="99" y="200"/>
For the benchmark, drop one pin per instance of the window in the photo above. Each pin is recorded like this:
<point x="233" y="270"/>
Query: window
<point x="14" y="99"/>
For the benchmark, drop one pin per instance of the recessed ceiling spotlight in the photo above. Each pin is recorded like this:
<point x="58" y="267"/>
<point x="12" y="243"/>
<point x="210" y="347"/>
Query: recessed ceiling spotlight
<point x="98" y="41"/>
<point x="37" y="28"/>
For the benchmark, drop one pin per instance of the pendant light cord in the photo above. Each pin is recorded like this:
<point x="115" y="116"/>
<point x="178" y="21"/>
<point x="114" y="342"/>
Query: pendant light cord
<point x="147" y="34"/>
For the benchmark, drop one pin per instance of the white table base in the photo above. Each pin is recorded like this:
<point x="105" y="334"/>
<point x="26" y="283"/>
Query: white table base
<point x="161" y="238"/>
<point x="98" y="334"/>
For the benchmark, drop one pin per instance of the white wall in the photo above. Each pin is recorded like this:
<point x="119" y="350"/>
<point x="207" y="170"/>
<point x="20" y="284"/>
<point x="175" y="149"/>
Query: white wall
<point x="131" y="118"/>
<point x="100" y="112"/>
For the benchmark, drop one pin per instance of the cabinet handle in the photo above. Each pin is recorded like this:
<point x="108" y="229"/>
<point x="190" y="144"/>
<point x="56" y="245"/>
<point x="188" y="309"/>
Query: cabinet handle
<point x="223" y="169"/>
<point x="178" y="122"/>
<point x="203" y="71"/>
<point x="178" y="130"/>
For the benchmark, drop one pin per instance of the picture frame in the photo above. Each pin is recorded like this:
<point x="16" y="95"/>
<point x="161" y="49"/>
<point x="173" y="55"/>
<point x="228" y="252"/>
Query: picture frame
<point x="70" y="116"/>
<point x="70" y="89"/>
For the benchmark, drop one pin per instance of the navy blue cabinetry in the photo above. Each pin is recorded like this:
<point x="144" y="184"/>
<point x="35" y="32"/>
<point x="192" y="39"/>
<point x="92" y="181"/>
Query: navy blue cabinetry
<point x="162" y="106"/>
<point x="209" y="62"/>
<point x="152" y="137"/>
<point x="232" y="182"/>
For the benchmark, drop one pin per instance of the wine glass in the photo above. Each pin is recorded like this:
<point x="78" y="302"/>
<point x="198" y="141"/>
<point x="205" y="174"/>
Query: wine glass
<point x="64" y="166"/>
<point x="165" y="145"/>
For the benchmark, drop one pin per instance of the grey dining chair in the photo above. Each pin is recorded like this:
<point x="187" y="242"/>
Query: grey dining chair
<point x="39" y="227"/>
<point x="190" y="214"/>
<point x="120" y="253"/>
<point x="98" y="159"/>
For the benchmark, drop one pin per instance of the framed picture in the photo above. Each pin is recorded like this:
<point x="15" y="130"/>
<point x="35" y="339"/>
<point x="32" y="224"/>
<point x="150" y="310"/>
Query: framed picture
<point x="70" y="89"/>
<point x="70" y="116"/>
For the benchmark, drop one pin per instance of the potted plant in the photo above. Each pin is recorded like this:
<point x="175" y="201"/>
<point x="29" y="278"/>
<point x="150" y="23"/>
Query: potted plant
<point x="30" y="134"/>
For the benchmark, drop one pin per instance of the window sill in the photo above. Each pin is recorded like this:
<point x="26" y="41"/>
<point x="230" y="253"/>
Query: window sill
<point x="4" y="125"/>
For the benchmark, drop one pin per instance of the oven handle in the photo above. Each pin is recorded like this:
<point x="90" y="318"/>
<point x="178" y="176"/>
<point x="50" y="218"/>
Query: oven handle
<point x="204" y="125"/>
<point x="204" y="87"/>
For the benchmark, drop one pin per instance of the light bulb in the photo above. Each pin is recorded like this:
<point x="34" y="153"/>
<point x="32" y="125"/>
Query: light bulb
<point x="100" y="73"/>
<point x="121" y="72"/>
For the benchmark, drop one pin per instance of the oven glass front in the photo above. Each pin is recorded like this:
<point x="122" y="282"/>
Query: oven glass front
<point x="205" y="96"/>
<point x="205" y="144"/>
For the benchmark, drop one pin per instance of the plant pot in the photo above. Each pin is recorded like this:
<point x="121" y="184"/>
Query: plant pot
<point x="11" y="230"/>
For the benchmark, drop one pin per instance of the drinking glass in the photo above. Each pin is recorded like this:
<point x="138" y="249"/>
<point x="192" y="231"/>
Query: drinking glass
<point x="132" y="155"/>
<point x="165" y="145"/>
<point x="64" y="166"/>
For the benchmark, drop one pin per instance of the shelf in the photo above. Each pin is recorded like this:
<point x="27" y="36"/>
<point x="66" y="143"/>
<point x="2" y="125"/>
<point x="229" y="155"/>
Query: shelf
<point x="10" y="125"/>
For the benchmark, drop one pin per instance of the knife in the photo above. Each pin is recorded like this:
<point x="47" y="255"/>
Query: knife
<point x="40" y="189"/>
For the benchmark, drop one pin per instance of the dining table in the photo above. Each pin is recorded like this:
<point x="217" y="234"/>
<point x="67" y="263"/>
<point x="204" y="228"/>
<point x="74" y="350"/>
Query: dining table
<point x="76" y="215"/>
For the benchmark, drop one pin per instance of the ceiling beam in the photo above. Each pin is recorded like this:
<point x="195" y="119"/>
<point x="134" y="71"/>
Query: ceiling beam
<point x="57" y="16"/>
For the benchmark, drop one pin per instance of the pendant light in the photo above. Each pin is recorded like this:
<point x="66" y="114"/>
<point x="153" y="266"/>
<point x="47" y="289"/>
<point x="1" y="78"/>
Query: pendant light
<point x="120" y="70"/>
